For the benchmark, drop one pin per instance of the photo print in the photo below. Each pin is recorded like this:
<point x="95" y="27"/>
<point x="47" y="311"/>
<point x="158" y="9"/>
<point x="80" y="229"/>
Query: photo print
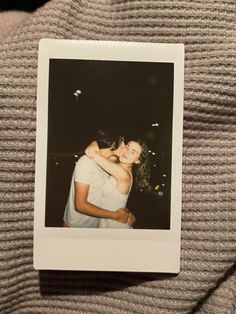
<point x="109" y="147"/>
<point x="119" y="99"/>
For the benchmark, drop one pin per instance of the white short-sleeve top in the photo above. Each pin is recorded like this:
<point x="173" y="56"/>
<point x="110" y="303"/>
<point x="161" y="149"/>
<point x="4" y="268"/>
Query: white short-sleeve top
<point x="113" y="199"/>
<point x="88" y="172"/>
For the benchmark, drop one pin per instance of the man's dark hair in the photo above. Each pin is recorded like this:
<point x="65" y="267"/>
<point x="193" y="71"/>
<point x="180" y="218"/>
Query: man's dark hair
<point x="107" y="139"/>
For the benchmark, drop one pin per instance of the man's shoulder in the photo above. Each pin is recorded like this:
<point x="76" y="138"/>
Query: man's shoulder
<point x="86" y="171"/>
<point x="84" y="161"/>
<point x="84" y="168"/>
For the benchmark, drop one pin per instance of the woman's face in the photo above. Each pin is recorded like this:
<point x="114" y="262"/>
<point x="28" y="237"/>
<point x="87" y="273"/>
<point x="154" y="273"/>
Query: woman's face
<point x="130" y="153"/>
<point x="119" y="150"/>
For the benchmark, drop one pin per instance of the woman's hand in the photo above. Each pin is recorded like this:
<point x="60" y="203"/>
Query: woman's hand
<point x="91" y="150"/>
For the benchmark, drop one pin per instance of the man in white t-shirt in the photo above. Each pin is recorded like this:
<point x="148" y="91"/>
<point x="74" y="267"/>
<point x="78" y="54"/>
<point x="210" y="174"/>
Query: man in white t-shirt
<point x="83" y="208"/>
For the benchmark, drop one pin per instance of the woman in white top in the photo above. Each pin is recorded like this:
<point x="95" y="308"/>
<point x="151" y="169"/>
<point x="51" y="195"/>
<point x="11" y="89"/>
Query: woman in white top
<point x="117" y="187"/>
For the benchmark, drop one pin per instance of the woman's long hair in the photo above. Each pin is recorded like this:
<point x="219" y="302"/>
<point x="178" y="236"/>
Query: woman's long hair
<point x="142" y="171"/>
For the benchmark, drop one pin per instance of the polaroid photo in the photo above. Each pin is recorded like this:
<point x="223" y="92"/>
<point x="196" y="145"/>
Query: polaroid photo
<point x="108" y="156"/>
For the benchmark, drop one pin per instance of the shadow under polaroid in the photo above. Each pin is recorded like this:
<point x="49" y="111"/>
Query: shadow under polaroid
<point x="54" y="282"/>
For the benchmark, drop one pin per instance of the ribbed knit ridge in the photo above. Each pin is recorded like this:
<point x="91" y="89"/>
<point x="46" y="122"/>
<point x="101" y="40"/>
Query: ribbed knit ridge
<point x="223" y="297"/>
<point x="204" y="284"/>
<point x="10" y="21"/>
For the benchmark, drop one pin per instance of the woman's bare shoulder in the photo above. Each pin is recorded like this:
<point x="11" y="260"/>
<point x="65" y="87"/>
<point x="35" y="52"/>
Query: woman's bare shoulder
<point x="125" y="174"/>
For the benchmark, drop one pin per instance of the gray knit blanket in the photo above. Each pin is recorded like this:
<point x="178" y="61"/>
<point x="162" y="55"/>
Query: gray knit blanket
<point x="207" y="280"/>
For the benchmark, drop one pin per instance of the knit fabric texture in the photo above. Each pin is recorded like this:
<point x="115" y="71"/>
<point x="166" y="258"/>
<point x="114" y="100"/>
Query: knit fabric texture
<point x="10" y="21"/>
<point x="207" y="280"/>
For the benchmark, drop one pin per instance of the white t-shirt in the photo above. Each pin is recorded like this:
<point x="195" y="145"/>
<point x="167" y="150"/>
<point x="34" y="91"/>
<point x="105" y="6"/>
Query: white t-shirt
<point x="113" y="199"/>
<point x="88" y="172"/>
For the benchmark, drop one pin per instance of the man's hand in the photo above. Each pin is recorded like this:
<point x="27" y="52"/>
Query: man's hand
<point x="131" y="219"/>
<point x="122" y="215"/>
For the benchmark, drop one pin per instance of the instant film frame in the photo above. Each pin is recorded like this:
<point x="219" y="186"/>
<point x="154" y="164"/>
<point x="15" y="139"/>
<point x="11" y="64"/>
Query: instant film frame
<point x="136" y="250"/>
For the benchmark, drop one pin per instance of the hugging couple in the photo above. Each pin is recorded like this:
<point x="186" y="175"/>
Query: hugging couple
<point x="102" y="181"/>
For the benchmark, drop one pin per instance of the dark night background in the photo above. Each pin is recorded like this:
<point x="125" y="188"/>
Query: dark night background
<point x="128" y="97"/>
<point x="21" y="5"/>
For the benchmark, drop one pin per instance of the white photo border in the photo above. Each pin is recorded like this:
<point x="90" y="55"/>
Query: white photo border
<point x="130" y="250"/>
